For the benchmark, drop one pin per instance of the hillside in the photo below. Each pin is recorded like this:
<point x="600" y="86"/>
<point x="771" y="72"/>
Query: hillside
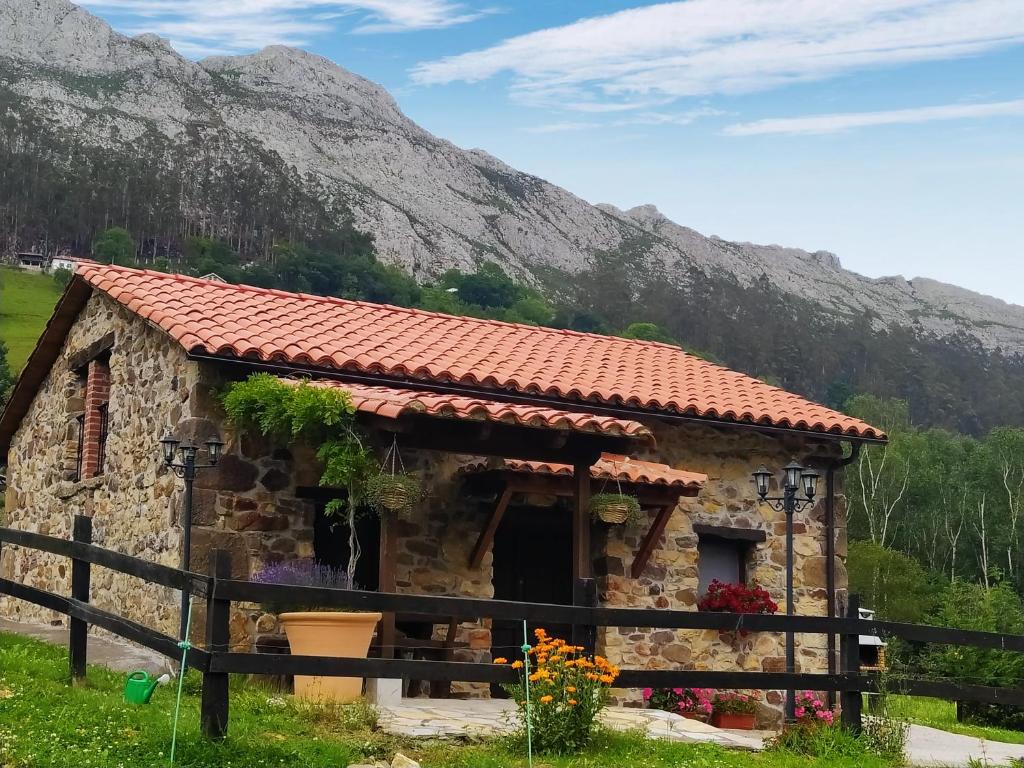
<point x="26" y="301"/>
<point x="283" y="144"/>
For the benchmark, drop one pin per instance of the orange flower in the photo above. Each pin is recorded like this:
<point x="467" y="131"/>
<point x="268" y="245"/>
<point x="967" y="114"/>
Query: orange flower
<point x="573" y="702"/>
<point x="570" y="689"/>
<point x="592" y="676"/>
<point x="546" y="699"/>
<point x="607" y="679"/>
<point x="517" y="665"/>
<point x="501" y="660"/>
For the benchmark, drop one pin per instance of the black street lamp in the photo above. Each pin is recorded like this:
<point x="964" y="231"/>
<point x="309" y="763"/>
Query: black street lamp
<point x="185" y="468"/>
<point x="796" y="477"/>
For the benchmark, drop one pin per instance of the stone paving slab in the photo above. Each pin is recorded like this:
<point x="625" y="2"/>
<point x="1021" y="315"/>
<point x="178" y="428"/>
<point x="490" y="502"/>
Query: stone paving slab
<point x="112" y="653"/>
<point x="482" y="718"/>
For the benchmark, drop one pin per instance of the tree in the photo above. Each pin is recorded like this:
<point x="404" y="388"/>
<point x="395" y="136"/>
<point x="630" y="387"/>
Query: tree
<point x="894" y="584"/>
<point x="647" y="332"/>
<point x="877" y="488"/>
<point x="114" y="246"/>
<point x="488" y="287"/>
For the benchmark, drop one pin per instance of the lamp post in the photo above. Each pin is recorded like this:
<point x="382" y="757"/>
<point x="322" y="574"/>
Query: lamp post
<point x="185" y="467"/>
<point x="795" y="477"/>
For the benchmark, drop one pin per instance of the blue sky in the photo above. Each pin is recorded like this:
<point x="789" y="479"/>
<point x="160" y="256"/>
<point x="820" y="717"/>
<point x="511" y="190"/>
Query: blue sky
<point x="890" y="132"/>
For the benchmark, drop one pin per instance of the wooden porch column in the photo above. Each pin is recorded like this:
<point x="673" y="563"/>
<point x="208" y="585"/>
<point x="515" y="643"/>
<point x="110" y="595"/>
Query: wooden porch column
<point x="582" y="561"/>
<point x="386" y="581"/>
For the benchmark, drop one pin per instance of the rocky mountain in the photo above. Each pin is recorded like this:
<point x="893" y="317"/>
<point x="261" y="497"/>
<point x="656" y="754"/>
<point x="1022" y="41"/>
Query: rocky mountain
<point x="306" y="128"/>
<point x="429" y="204"/>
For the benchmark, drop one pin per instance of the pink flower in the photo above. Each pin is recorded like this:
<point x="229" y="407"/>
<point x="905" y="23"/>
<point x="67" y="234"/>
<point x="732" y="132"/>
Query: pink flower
<point x="818" y="704"/>
<point x="800" y="712"/>
<point x="647" y="694"/>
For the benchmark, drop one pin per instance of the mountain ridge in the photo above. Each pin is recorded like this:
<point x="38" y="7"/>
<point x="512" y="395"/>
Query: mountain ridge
<point x="429" y="204"/>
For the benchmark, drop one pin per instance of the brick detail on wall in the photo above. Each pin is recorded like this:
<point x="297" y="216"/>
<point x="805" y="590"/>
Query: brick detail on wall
<point x="97" y="393"/>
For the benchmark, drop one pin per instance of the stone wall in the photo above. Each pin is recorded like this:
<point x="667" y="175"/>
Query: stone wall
<point x="670" y="580"/>
<point x="151" y="385"/>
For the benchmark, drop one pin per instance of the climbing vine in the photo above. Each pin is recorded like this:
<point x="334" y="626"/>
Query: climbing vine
<point x="322" y="417"/>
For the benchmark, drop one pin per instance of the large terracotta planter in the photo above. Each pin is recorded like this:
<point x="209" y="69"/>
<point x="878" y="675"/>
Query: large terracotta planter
<point x="329" y="633"/>
<point x="733" y="721"/>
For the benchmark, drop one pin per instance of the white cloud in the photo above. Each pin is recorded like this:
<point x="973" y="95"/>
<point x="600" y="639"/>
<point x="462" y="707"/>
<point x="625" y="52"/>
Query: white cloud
<point x="562" y="127"/>
<point x="701" y="47"/>
<point x="844" y="121"/>
<point x="198" y="27"/>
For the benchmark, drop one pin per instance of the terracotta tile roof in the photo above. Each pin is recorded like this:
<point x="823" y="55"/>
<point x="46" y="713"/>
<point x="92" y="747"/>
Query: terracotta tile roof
<point x="268" y="325"/>
<point x="392" y="403"/>
<point x="609" y="467"/>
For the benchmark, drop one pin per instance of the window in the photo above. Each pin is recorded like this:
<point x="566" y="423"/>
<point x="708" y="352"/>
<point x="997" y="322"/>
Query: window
<point x="88" y="407"/>
<point x="723" y="553"/>
<point x="721" y="560"/>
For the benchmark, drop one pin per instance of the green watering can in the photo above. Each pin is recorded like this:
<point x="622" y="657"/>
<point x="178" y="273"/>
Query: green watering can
<point x="139" y="687"/>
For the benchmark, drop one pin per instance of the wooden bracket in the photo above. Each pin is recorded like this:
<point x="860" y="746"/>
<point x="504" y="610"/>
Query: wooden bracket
<point x="643" y="554"/>
<point x="486" y="537"/>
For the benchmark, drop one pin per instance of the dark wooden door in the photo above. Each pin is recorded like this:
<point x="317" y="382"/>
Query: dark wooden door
<point x="532" y="564"/>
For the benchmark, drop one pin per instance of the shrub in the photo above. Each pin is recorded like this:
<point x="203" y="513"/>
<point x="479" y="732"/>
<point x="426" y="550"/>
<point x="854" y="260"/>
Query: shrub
<point x="737" y="598"/>
<point x="811" y="710"/>
<point x="301" y="573"/>
<point x="695" y="701"/>
<point x="884" y="736"/>
<point x="563" y="695"/>
<point x="827" y="742"/>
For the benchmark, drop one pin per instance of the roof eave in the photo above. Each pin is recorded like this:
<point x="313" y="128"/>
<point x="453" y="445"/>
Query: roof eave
<point x="454" y="387"/>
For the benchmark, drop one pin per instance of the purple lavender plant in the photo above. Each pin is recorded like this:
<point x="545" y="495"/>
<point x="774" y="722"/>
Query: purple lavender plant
<point x="303" y="572"/>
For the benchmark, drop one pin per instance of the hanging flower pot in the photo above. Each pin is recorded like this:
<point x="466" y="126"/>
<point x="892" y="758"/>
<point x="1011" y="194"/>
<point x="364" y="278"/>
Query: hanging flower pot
<point x="397" y="493"/>
<point x="393" y="490"/>
<point x="614" y="508"/>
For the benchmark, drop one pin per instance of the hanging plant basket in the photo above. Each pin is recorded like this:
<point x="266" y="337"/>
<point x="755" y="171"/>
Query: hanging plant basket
<point x="614" y="508"/>
<point x="396" y="493"/>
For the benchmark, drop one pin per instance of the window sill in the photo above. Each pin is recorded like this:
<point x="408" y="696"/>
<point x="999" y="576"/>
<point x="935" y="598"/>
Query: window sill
<point x="68" y="488"/>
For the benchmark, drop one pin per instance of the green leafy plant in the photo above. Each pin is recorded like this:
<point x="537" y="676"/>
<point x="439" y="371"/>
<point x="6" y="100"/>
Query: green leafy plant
<point x="393" y="493"/>
<point x="729" y="703"/>
<point x="615" y="508"/>
<point x="561" y="694"/>
<point x="319" y="416"/>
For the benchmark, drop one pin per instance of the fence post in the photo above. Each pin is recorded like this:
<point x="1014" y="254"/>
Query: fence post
<point x="78" y="630"/>
<point x="214" y="705"/>
<point x="849" y="647"/>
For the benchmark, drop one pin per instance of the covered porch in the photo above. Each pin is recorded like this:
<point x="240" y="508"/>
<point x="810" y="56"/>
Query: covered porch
<point x="526" y="474"/>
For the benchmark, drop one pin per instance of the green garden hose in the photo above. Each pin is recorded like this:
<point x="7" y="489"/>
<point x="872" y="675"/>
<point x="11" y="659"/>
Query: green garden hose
<point x="184" y="645"/>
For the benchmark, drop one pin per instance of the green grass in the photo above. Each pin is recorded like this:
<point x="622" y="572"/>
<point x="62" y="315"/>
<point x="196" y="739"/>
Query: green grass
<point x="47" y="723"/>
<point x="26" y="302"/>
<point x="937" y="713"/>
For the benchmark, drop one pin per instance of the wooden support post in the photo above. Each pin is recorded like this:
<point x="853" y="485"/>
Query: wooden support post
<point x="849" y="646"/>
<point x="387" y="581"/>
<point x="581" y="556"/>
<point x="643" y="554"/>
<point x="78" y="634"/>
<point x="214" y="703"/>
<point x="486" y="537"/>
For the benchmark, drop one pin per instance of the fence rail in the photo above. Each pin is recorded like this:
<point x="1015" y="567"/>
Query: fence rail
<point x="217" y="662"/>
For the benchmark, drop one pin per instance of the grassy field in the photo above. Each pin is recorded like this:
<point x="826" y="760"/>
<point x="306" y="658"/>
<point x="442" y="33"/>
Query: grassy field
<point x="26" y="301"/>
<point x="44" y="722"/>
<point x="942" y="714"/>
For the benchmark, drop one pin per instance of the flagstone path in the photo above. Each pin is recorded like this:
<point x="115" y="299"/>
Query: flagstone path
<point x="481" y="718"/>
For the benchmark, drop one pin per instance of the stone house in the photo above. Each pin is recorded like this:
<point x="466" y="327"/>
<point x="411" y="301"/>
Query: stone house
<point x="510" y="427"/>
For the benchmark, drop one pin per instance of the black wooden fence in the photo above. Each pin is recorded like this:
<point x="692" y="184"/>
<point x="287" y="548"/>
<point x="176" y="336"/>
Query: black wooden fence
<point x="216" y="661"/>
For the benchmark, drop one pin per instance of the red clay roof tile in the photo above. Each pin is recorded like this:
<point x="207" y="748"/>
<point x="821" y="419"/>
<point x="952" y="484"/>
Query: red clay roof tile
<point x="269" y="325"/>
<point x="392" y="402"/>
<point x="610" y="467"/>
